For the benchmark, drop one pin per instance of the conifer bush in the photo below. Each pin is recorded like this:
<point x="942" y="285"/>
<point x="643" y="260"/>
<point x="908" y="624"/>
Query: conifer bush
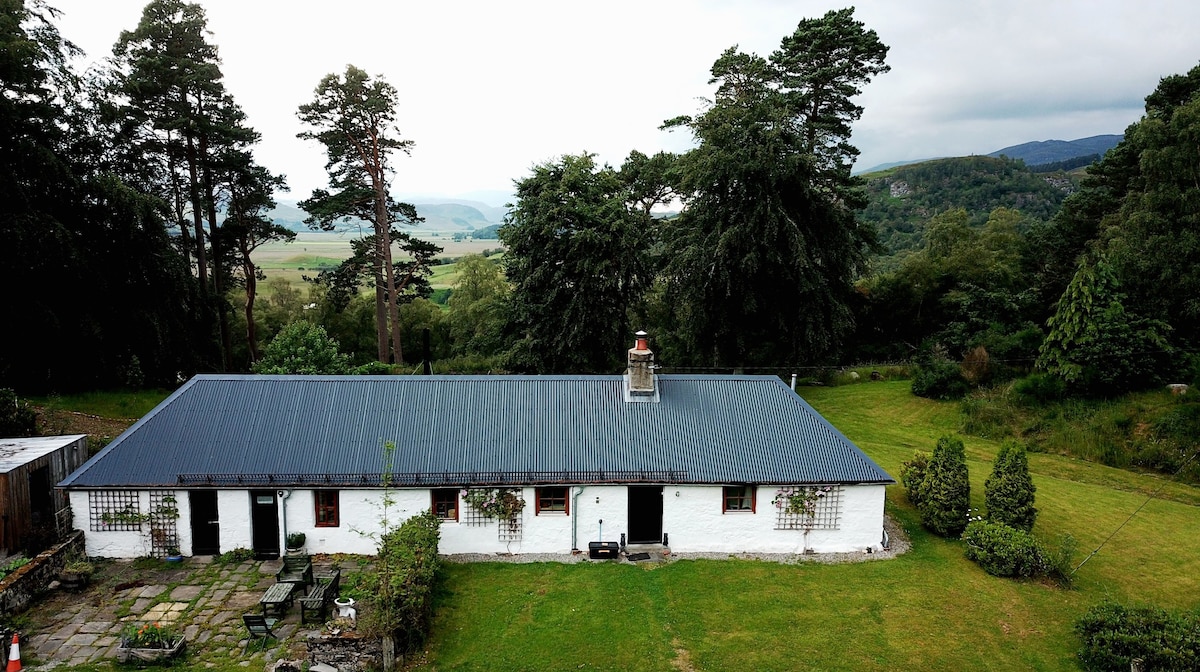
<point x="1004" y="551"/>
<point x="1114" y="634"/>
<point x="1009" y="490"/>
<point x="945" y="492"/>
<point x="912" y="476"/>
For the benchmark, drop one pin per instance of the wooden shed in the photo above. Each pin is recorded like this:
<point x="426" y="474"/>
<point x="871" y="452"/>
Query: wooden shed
<point x="30" y="505"/>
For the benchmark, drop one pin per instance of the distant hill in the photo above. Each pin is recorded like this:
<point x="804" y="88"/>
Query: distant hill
<point x="903" y="199"/>
<point x="449" y="216"/>
<point x="1053" y="151"/>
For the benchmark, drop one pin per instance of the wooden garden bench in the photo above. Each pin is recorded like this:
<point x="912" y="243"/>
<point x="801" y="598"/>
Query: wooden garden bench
<point x="314" y="605"/>
<point x="296" y="569"/>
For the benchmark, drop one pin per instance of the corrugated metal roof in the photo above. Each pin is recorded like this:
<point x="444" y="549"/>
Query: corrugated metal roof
<point x="21" y="451"/>
<point x="452" y="429"/>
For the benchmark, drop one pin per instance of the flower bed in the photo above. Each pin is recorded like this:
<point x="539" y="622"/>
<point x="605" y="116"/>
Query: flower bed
<point x="149" y="642"/>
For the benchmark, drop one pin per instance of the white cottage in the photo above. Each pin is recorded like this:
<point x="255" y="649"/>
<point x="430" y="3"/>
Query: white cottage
<point x="694" y="462"/>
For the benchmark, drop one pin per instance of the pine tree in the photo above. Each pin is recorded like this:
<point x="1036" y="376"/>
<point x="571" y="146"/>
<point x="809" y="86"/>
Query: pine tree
<point x="946" y="490"/>
<point x="1009" y="490"/>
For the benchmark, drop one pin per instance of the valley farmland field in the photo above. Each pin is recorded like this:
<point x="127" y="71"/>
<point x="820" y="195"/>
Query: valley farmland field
<point x="312" y="251"/>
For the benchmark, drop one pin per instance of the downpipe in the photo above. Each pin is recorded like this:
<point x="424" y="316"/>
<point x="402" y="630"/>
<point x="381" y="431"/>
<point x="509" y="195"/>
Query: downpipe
<point x="575" y="517"/>
<point x="283" y="497"/>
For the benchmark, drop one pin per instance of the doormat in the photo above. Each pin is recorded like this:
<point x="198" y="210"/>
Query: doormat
<point x="634" y="557"/>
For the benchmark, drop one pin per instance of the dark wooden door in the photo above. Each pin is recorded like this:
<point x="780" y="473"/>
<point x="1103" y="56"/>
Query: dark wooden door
<point x="206" y="526"/>
<point x="645" y="514"/>
<point x="264" y="521"/>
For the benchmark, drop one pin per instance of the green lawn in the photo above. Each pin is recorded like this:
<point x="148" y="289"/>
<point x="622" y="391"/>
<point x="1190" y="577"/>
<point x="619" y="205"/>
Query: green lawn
<point x="928" y="609"/>
<point x="121" y="404"/>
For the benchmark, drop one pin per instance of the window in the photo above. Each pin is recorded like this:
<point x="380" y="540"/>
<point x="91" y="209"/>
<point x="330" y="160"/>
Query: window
<point x="445" y="503"/>
<point x="552" y="499"/>
<point x="327" y="507"/>
<point x="738" y="498"/>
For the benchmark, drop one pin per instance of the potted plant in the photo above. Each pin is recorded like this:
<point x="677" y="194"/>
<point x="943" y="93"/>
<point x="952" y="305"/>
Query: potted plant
<point x="174" y="556"/>
<point x="76" y="573"/>
<point x="148" y="642"/>
<point x="295" y="543"/>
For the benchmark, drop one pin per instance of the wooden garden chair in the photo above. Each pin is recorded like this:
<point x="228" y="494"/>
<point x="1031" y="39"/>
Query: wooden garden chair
<point x="260" y="628"/>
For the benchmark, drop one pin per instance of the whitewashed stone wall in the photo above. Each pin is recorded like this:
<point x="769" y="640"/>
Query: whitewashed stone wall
<point x="692" y="518"/>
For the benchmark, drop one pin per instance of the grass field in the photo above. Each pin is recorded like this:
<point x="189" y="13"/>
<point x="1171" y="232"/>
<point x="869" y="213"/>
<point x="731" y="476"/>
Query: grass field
<point x="929" y="609"/>
<point x="311" y="251"/>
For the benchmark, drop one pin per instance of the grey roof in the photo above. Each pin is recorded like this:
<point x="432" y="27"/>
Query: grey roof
<point x="224" y="430"/>
<point x="21" y="451"/>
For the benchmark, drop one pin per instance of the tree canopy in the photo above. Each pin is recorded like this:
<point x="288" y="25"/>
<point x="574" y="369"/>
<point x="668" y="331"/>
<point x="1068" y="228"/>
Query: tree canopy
<point x="578" y="262"/>
<point x="760" y="263"/>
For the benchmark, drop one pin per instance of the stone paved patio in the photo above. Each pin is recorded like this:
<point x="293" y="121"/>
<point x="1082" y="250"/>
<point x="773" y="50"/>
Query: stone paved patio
<point x="204" y="601"/>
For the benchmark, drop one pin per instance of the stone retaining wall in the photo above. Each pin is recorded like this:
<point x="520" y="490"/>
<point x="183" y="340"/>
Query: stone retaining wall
<point x="19" y="589"/>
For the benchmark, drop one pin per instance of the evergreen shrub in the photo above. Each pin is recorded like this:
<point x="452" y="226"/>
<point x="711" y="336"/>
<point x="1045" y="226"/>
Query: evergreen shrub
<point x="1114" y="634"/>
<point x="1009" y="490"/>
<point x="912" y="476"/>
<point x="945" y="491"/>
<point x="1004" y="551"/>
<point x="939" y="379"/>
<point x="1039" y="388"/>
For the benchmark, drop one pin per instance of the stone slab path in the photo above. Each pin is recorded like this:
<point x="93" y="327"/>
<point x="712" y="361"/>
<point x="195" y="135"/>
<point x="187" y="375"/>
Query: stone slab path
<point x="202" y="600"/>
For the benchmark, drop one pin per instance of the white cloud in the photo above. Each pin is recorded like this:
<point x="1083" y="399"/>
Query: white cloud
<point x="488" y="89"/>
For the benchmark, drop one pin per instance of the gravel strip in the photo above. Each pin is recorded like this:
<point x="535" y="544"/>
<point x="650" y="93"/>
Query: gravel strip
<point x="899" y="545"/>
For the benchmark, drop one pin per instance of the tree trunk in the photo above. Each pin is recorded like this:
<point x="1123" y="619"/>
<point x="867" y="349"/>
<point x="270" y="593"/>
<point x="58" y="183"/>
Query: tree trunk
<point x="385" y="243"/>
<point x="250" y="271"/>
<point x="210" y="203"/>
<point x="389" y="652"/>
<point x="197" y="215"/>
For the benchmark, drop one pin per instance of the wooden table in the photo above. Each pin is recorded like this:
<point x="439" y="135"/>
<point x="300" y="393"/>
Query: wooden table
<point x="277" y="600"/>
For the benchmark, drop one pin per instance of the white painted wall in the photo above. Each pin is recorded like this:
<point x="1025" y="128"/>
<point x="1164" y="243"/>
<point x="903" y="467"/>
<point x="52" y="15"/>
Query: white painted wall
<point x="692" y="518"/>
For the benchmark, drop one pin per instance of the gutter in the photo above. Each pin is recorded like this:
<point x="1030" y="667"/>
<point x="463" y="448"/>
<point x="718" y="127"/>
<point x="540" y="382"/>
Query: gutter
<point x="283" y="497"/>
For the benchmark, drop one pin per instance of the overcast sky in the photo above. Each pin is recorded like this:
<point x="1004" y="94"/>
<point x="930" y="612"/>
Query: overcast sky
<point x="488" y="89"/>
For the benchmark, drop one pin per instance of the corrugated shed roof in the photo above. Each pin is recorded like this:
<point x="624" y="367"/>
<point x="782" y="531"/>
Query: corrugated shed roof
<point x="21" y="451"/>
<point x="468" y="430"/>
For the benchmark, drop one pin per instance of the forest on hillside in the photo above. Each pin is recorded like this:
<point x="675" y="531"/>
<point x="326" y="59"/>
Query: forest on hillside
<point x="131" y="205"/>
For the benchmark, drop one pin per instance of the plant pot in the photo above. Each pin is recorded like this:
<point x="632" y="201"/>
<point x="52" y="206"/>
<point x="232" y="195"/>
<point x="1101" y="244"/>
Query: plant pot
<point x="345" y="608"/>
<point x="174" y="559"/>
<point x="74" y="581"/>
<point x="296" y="551"/>
<point x="125" y="655"/>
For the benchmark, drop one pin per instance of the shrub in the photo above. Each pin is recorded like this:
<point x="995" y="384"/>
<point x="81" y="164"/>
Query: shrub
<point x="1009" y="490"/>
<point x="402" y="587"/>
<point x="1039" y="388"/>
<point x="939" y="379"/>
<point x="235" y="556"/>
<point x="975" y="366"/>
<point x="945" y="492"/>
<point x="1113" y="635"/>
<point x="912" y="476"/>
<point x="1004" y="551"/>
<point x="16" y="417"/>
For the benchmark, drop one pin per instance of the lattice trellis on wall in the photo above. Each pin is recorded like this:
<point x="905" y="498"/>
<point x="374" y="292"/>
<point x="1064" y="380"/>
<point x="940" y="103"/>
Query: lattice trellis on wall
<point x="472" y="516"/>
<point x="817" y="507"/>
<point x="510" y="530"/>
<point x="114" y="511"/>
<point x="164" y="518"/>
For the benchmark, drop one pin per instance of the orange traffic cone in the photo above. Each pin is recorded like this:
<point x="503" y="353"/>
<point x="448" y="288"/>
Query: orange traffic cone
<point x="14" y="656"/>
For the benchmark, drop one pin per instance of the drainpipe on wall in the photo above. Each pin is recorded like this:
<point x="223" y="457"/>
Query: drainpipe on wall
<point x="283" y="497"/>
<point x="575" y="515"/>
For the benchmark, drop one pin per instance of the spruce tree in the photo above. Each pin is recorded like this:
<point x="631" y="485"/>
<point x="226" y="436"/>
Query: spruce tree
<point x="946" y="490"/>
<point x="1009" y="490"/>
